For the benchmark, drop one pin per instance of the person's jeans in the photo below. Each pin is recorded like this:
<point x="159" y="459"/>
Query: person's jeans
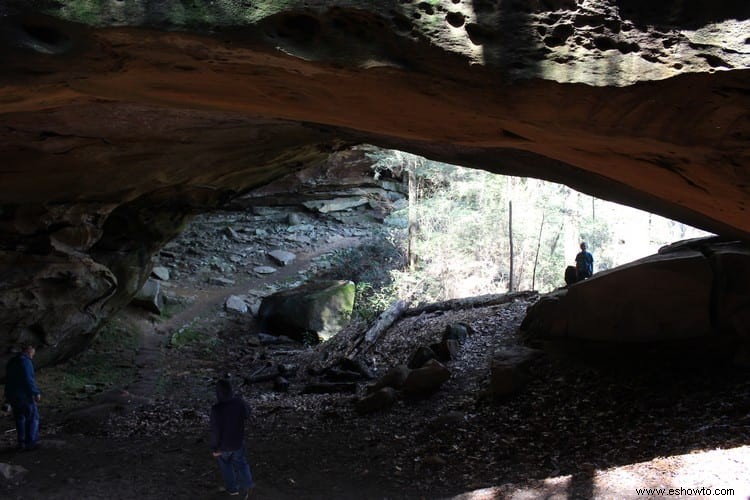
<point x="233" y="464"/>
<point x="26" y="416"/>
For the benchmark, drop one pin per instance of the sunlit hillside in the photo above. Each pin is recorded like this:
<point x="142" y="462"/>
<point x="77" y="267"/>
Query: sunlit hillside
<point x="466" y="223"/>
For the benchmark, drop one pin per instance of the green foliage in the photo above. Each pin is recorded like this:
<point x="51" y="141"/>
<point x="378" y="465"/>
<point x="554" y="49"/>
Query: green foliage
<point x="107" y="363"/>
<point x="461" y="247"/>
<point x="185" y="335"/>
<point x="170" y="309"/>
<point x="178" y="13"/>
<point x="371" y="300"/>
<point x="370" y="267"/>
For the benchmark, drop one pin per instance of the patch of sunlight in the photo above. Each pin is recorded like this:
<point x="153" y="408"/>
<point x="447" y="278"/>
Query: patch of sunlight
<point x="731" y="34"/>
<point x="454" y="38"/>
<point x="719" y="473"/>
<point x="613" y="69"/>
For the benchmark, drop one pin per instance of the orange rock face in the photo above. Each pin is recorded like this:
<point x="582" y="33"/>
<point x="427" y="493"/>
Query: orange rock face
<point x="165" y="109"/>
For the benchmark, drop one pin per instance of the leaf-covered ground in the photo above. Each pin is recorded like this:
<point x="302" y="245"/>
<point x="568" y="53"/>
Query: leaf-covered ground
<point x="582" y="427"/>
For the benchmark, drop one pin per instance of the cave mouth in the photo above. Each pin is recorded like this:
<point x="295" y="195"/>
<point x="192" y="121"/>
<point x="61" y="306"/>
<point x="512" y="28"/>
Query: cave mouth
<point x="427" y="230"/>
<point x="563" y="428"/>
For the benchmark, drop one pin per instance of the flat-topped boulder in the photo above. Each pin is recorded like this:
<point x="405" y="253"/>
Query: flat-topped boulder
<point x="320" y="308"/>
<point x="701" y="291"/>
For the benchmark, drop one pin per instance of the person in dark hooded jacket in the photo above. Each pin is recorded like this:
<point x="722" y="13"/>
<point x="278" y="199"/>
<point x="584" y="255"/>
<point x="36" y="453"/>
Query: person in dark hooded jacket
<point x="228" y="417"/>
<point x="23" y="395"/>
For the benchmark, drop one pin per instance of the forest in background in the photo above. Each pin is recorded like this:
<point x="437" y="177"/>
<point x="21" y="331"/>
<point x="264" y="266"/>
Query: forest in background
<point x="467" y="232"/>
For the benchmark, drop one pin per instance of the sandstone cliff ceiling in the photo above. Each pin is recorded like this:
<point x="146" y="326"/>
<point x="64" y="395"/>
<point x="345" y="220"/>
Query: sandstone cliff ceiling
<point x="641" y="102"/>
<point x="119" y="119"/>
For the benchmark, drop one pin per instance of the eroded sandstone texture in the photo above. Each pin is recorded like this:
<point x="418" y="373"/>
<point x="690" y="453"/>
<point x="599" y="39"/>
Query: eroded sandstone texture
<point x="696" y="291"/>
<point x="121" y="118"/>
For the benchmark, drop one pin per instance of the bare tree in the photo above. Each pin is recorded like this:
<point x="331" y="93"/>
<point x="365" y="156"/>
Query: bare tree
<point x="510" y="244"/>
<point x="412" y="237"/>
<point x="536" y="256"/>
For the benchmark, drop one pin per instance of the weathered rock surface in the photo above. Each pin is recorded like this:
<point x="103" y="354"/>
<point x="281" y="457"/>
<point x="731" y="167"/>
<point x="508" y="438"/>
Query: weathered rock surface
<point x="322" y="308"/>
<point x="394" y="378"/>
<point x="699" y="291"/>
<point x="150" y="297"/>
<point x="236" y="304"/>
<point x="426" y="380"/>
<point x="121" y="120"/>
<point x="160" y="272"/>
<point x="382" y="399"/>
<point x="282" y="257"/>
<point x="509" y="369"/>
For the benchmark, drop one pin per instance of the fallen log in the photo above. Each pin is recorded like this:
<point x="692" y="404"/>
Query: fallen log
<point x="382" y="324"/>
<point x="469" y="302"/>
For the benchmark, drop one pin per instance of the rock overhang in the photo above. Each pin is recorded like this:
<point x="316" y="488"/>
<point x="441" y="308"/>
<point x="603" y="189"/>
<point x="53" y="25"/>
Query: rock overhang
<point x="120" y="118"/>
<point x="170" y="93"/>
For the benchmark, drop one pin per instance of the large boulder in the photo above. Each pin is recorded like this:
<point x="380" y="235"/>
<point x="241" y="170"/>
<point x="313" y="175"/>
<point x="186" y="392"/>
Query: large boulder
<point x="731" y="289"/>
<point x="695" y="291"/>
<point x="320" y="307"/>
<point x="426" y="380"/>
<point x="150" y="297"/>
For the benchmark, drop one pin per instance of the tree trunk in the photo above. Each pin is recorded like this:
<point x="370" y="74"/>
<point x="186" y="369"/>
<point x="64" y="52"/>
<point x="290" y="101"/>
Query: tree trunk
<point x="412" y="258"/>
<point x="510" y="244"/>
<point x="468" y="303"/>
<point x="382" y="324"/>
<point x="536" y="256"/>
<point x="593" y="209"/>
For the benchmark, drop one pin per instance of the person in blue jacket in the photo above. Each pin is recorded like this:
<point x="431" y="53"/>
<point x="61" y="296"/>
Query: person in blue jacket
<point x="227" y="420"/>
<point x="23" y="395"/>
<point x="584" y="263"/>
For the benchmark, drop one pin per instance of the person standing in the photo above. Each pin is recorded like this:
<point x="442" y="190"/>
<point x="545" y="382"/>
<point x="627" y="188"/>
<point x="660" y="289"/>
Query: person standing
<point x="23" y="395"/>
<point x="227" y="420"/>
<point x="584" y="263"/>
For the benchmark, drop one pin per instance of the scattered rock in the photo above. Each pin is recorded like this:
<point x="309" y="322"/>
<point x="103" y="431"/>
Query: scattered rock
<point x="150" y="297"/>
<point x="282" y="257"/>
<point x="509" y="369"/>
<point x="306" y="228"/>
<point x="335" y="205"/>
<point x="218" y="281"/>
<point x="236" y="304"/>
<point x="382" y="399"/>
<point x="458" y="332"/>
<point x="421" y="356"/>
<point x="264" y="269"/>
<point x="254" y="308"/>
<point x="10" y="471"/>
<point x="161" y="273"/>
<point x="395" y="378"/>
<point x="445" y="350"/>
<point x="426" y="380"/>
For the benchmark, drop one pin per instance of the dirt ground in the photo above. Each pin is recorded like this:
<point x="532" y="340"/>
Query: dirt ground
<point x="577" y="429"/>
